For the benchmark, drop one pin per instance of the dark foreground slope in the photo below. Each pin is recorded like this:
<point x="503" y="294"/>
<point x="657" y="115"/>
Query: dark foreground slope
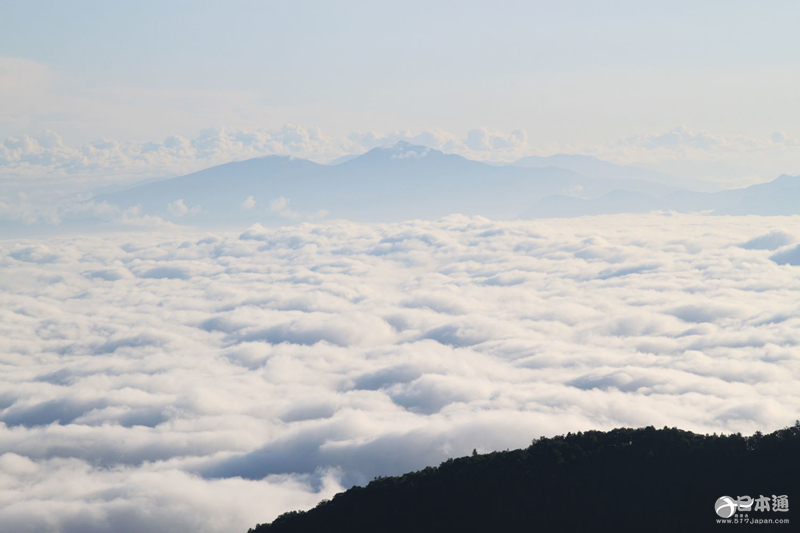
<point x="623" y="480"/>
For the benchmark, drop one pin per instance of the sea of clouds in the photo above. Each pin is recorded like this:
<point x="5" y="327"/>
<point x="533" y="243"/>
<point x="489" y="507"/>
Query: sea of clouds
<point x="198" y="381"/>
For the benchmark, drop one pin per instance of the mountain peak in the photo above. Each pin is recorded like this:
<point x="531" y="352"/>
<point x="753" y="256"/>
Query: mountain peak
<point x="785" y="180"/>
<point x="406" y="150"/>
<point x="400" y="150"/>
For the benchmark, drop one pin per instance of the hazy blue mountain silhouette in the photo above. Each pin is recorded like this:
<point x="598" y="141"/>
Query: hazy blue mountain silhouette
<point x="405" y="181"/>
<point x="778" y="197"/>
<point x="221" y="189"/>
<point x="617" y="201"/>
<point x="385" y="184"/>
<point x="596" y="168"/>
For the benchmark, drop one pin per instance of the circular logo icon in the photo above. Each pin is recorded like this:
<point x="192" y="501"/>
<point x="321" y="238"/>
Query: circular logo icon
<point x="725" y="506"/>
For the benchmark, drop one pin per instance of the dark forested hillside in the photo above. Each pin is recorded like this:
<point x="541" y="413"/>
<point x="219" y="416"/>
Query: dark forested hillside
<point x="621" y="480"/>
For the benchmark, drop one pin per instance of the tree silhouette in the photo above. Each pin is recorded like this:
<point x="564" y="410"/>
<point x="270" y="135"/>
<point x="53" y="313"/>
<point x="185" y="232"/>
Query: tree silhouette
<point x="621" y="480"/>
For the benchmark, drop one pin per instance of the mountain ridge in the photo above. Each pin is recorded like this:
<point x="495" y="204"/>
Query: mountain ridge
<point x="778" y="197"/>
<point x="385" y="184"/>
<point x="598" y="168"/>
<point x="406" y="181"/>
<point x="626" y="479"/>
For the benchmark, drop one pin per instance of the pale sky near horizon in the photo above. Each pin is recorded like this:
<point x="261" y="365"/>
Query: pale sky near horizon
<point x="570" y="74"/>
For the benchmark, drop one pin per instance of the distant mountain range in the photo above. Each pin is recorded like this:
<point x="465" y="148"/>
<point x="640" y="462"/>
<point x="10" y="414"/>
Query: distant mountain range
<point x="596" y="168"/>
<point x="406" y="181"/>
<point x="779" y="197"/>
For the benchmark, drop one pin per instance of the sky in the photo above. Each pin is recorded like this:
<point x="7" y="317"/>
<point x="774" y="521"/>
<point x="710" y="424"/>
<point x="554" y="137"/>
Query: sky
<point x="633" y="82"/>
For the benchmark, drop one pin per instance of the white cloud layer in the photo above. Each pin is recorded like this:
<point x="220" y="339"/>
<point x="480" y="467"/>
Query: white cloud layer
<point x="248" y="204"/>
<point x="178" y="208"/>
<point x="180" y="380"/>
<point x="704" y="154"/>
<point x="47" y="155"/>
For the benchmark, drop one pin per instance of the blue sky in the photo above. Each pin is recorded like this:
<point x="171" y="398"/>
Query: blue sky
<point x="570" y="74"/>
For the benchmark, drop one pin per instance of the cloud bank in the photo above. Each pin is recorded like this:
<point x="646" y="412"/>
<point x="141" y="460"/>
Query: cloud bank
<point x="174" y="380"/>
